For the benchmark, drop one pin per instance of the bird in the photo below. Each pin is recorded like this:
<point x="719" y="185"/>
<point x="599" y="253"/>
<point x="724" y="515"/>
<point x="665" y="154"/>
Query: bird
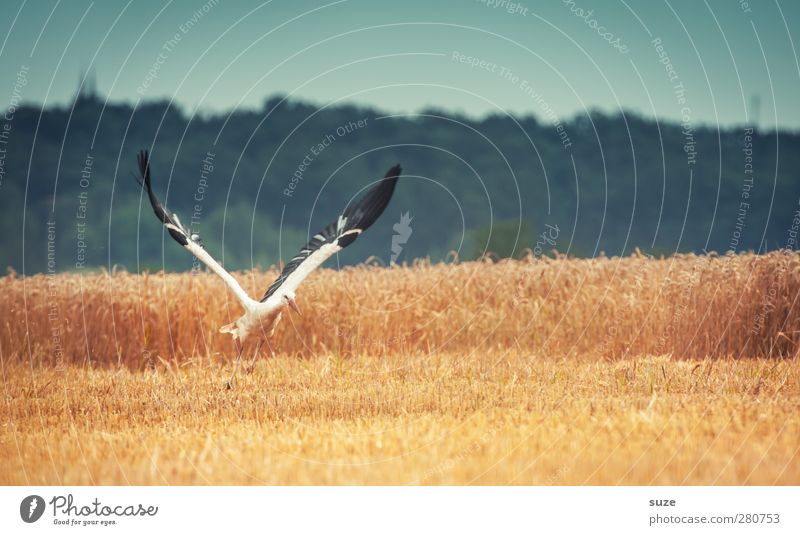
<point x="262" y="316"/>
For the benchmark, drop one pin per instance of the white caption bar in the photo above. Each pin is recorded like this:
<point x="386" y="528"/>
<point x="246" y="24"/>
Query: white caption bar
<point x="401" y="510"/>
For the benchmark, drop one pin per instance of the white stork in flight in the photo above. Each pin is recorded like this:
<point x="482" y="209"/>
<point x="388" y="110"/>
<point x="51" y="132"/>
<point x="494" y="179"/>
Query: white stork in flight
<point x="261" y="317"/>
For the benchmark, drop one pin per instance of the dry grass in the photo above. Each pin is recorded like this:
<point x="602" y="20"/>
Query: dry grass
<point x="501" y="419"/>
<point x="685" y="306"/>
<point x="609" y="371"/>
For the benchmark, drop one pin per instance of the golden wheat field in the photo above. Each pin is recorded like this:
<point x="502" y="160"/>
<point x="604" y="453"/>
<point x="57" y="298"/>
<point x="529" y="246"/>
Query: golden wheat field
<point x="680" y="370"/>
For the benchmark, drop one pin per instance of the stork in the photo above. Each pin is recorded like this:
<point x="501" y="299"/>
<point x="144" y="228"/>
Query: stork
<point x="261" y="317"/>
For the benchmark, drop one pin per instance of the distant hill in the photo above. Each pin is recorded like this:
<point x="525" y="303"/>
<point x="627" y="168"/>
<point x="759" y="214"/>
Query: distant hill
<point x="256" y="183"/>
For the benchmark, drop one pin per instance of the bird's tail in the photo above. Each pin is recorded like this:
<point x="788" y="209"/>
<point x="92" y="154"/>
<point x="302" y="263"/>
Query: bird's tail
<point x="231" y="328"/>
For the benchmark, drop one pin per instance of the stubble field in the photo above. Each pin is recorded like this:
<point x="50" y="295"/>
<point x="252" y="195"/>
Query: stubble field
<point x="608" y="371"/>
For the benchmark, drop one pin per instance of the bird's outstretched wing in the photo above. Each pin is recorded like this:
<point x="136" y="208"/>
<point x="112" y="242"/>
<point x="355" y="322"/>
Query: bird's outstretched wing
<point x="356" y="218"/>
<point x="182" y="235"/>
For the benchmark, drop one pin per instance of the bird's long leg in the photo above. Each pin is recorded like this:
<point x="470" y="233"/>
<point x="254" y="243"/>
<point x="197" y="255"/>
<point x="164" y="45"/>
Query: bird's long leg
<point x="239" y="348"/>
<point x="252" y="362"/>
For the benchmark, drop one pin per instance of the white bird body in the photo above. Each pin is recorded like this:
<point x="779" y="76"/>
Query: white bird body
<point x="261" y="317"/>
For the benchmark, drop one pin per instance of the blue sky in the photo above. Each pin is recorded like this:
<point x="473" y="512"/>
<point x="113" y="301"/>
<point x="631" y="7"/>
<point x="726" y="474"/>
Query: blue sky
<point x="403" y="56"/>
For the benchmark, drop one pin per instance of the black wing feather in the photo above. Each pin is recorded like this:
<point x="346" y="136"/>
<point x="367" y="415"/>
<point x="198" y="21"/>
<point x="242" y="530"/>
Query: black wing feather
<point x="176" y="229"/>
<point x="357" y="216"/>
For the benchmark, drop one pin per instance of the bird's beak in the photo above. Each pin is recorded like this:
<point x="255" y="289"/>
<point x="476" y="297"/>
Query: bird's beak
<point x="293" y="304"/>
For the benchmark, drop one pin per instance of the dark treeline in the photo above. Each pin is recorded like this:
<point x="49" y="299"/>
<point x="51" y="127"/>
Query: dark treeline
<point x="255" y="183"/>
